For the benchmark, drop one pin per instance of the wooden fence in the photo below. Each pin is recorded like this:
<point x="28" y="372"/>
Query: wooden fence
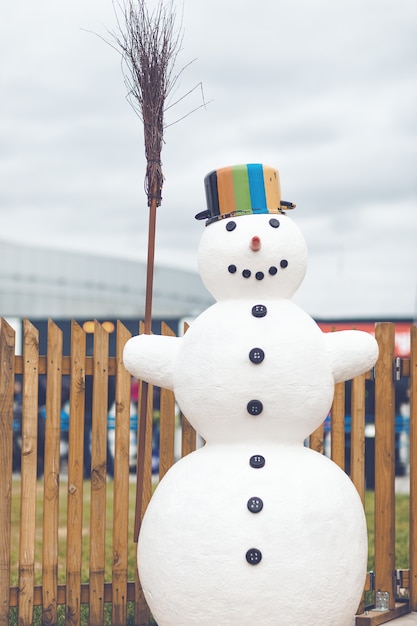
<point x="90" y="521"/>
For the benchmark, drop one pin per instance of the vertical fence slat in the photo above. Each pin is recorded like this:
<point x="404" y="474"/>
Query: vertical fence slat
<point x="142" y="613"/>
<point x="121" y="482"/>
<point x="188" y="434"/>
<point x="357" y="446"/>
<point x="337" y="425"/>
<point x="98" y="475"/>
<point x="167" y="421"/>
<point x="413" y="469"/>
<point x="147" y="477"/>
<point x="7" y="347"/>
<point x="317" y="439"/>
<point x="385" y="462"/>
<point x="51" y="476"/>
<point x="188" y="437"/>
<point x="75" y="476"/>
<point x="28" y="472"/>
<point x="357" y="440"/>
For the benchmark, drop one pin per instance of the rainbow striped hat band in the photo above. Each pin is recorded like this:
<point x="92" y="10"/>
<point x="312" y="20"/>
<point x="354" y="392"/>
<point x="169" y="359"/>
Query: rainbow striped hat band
<point x="242" y="190"/>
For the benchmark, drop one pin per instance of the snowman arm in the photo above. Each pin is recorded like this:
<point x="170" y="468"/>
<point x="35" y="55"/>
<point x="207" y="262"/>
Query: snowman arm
<point x="351" y="353"/>
<point x="152" y="358"/>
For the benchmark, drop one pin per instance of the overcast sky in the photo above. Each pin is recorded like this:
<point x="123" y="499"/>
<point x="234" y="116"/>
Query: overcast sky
<point x="323" y="90"/>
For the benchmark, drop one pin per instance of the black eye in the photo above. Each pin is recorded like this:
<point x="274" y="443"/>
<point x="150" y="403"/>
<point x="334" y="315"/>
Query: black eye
<point x="230" y="226"/>
<point x="274" y="222"/>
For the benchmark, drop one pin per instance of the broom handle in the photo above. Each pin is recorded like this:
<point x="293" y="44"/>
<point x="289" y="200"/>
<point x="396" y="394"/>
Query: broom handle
<point x="143" y="398"/>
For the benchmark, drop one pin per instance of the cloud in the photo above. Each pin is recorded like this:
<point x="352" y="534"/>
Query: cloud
<point x="323" y="91"/>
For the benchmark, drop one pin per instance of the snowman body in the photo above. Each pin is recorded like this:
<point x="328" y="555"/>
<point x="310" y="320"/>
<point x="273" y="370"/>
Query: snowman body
<point x="221" y="508"/>
<point x="254" y="528"/>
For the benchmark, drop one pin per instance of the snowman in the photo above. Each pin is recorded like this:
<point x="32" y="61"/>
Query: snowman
<point x="254" y="528"/>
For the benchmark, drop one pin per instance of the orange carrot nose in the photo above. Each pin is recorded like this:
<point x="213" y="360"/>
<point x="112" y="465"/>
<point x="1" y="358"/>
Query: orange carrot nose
<point x="255" y="243"/>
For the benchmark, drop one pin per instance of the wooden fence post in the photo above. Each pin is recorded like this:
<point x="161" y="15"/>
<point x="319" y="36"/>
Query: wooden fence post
<point x="51" y="476"/>
<point x="142" y="613"/>
<point x="166" y="422"/>
<point x="28" y="472"/>
<point x="100" y="413"/>
<point x="316" y="441"/>
<point x="413" y="469"/>
<point x="7" y="347"/>
<point x="75" y="476"/>
<point x="121" y="482"/>
<point x="385" y="462"/>
<point x="337" y="426"/>
<point x="357" y="438"/>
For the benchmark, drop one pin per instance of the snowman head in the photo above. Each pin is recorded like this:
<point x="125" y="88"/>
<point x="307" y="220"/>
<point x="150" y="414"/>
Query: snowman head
<point x="250" y="248"/>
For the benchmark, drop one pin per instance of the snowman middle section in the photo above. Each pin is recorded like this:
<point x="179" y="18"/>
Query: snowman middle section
<point x="250" y="370"/>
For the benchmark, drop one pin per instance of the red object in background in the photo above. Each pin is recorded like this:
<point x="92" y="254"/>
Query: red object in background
<point x="134" y="390"/>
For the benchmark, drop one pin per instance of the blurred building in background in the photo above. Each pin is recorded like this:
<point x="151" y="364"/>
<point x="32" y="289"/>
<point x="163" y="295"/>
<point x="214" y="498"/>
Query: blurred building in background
<point x="36" y="283"/>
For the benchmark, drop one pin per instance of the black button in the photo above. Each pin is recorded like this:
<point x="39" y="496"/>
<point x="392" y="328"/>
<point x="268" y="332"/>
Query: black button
<point x="255" y="407"/>
<point x="254" y="556"/>
<point x="256" y="461"/>
<point x="246" y="273"/>
<point x="256" y="355"/>
<point x="259" y="310"/>
<point x="255" y="505"/>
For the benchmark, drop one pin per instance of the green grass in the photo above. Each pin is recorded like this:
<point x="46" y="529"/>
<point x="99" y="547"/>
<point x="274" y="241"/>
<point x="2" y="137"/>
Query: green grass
<point x="402" y="507"/>
<point x="62" y="528"/>
<point x="62" y="532"/>
<point x="401" y="548"/>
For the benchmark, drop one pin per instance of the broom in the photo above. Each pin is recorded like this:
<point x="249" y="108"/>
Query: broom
<point x="149" y="44"/>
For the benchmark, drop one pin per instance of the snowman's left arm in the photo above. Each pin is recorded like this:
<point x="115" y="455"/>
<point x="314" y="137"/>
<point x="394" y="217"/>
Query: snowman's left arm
<point x="351" y="353"/>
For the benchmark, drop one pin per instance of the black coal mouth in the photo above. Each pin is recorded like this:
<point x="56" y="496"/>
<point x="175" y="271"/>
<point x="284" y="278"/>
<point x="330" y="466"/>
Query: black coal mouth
<point x="273" y="270"/>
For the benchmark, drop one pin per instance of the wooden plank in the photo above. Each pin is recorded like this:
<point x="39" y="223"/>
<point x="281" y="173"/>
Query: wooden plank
<point x="28" y="472"/>
<point x="147" y="478"/>
<point x="188" y="434"/>
<point x="66" y="365"/>
<point x="75" y="475"/>
<point x="385" y="462"/>
<point x="85" y="594"/>
<point x="142" y="613"/>
<point x="7" y="348"/>
<point x="121" y="482"/>
<point x="188" y="437"/>
<point x="98" y="475"/>
<point x="413" y="468"/>
<point x="405" y="365"/>
<point x="317" y="439"/>
<point x="51" y="475"/>
<point x="357" y="445"/>
<point x="357" y="441"/>
<point x="167" y="421"/>
<point x="337" y="426"/>
<point x="374" y="618"/>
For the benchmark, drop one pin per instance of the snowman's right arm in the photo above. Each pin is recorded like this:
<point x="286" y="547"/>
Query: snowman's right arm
<point x="152" y="358"/>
